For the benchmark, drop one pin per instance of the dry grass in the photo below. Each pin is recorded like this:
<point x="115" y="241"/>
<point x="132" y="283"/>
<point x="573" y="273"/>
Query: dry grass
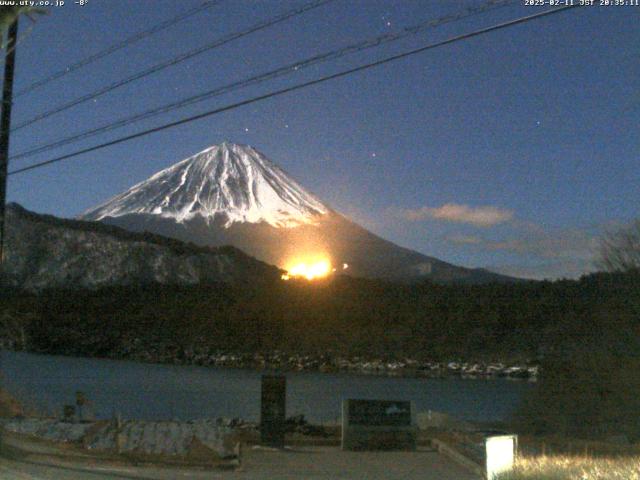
<point x="563" y="467"/>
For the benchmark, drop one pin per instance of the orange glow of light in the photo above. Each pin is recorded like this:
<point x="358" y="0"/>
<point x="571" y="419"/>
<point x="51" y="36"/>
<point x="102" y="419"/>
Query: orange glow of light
<point x="312" y="270"/>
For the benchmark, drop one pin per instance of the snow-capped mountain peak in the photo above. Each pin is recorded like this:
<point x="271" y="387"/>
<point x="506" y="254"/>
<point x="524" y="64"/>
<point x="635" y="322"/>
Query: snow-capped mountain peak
<point x="230" y="180"/>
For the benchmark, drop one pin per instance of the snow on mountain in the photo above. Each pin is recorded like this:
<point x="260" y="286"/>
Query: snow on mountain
<point x="234" y="181"/>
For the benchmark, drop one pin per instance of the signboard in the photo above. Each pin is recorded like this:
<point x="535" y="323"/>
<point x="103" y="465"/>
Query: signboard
<point x="378" y="425"/>
<point x="501" y="452"/>
<point x="379" y="413"/>
<point x="273" y="410"/>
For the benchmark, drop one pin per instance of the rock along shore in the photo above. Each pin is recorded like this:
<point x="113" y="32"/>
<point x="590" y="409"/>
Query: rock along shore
<point x="327" y="363"/>
<point x="335" y="364"/>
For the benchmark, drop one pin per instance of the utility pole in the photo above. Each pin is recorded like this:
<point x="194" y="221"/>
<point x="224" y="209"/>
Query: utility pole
<point x="5" y="126"/>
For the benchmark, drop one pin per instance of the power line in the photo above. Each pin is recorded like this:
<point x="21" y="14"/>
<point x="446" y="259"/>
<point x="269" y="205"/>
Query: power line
<point x="297" y="87"/>
<point x="118" y="46"/>
<point x="174" y="61"/>
<point x="281" y="71"/>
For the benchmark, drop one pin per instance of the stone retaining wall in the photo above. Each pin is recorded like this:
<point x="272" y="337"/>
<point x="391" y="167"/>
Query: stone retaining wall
<point x="171" y="438"/>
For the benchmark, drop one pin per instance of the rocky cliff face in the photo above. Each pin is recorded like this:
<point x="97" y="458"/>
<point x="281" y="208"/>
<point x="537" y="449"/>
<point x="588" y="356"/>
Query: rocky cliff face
<point x="42" y="251"/>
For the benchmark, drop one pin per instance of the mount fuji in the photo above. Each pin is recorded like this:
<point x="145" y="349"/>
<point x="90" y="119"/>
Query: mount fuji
<point x="231" y="194"/>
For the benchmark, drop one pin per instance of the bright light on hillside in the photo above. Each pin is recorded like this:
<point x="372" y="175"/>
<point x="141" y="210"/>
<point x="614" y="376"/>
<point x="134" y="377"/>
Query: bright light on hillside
<point x="311" y="270"/>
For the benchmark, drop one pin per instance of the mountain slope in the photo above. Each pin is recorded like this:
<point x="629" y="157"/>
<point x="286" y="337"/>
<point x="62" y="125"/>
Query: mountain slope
<point x="228" y="180"/>
<point x="43" y="251"/>
<point x="233" y="195"/>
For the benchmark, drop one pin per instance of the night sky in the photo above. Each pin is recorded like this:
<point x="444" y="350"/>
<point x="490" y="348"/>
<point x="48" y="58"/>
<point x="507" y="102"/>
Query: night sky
<point x="511" y="151"/>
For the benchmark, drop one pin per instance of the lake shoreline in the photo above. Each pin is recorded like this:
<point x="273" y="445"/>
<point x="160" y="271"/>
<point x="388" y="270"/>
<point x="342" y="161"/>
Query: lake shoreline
<point x="156" y="391"/>
<point x="288" y="363"/>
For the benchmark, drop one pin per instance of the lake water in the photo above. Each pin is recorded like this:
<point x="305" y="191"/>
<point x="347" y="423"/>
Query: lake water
<point x="154" y="392"/>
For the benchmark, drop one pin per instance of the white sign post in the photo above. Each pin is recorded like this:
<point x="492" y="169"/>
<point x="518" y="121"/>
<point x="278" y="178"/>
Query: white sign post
<point x="501" y="454"/>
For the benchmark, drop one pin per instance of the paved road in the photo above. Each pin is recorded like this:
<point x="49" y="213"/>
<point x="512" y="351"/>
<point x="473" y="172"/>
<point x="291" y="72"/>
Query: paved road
<point x="302" y="463"/>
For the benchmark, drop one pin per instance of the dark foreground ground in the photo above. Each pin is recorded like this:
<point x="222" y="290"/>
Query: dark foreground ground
<point x="301" y="462"/>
